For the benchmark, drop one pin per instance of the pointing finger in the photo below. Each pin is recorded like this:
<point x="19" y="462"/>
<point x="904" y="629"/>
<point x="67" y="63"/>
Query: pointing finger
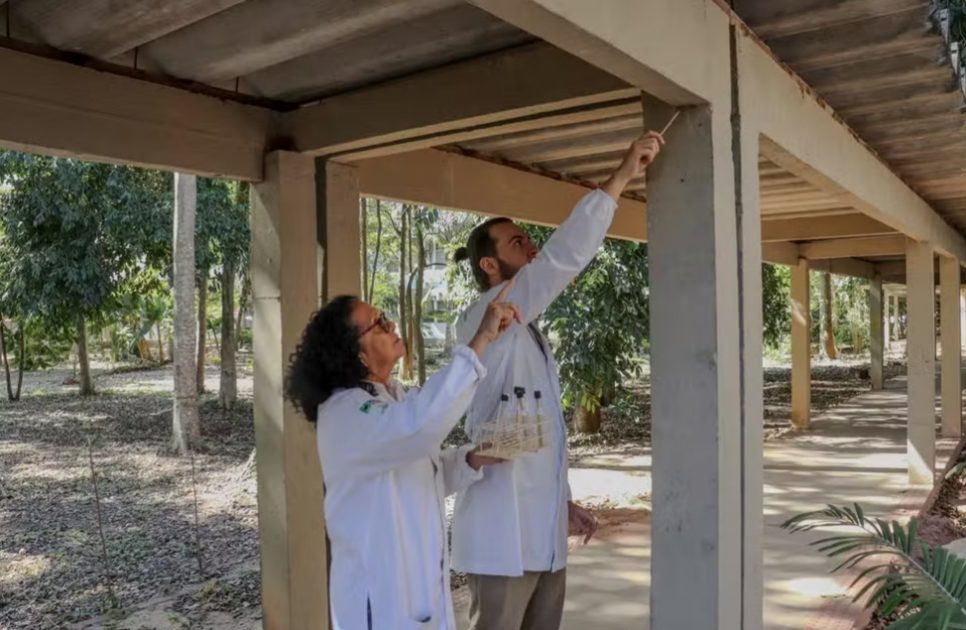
<point x="501" y="296"/>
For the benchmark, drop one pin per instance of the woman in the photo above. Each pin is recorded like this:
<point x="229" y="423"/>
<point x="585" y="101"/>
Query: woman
<point x="385" y="475"/>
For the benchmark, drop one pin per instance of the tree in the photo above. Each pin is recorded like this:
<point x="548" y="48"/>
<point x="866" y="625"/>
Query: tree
<point x="234" y="246"/>
<point x="185" y="427"/>
<point x="775" y="294"/>
<point x="74" y="235"/>
<point x="403" y="229"/>
<point x="371" y="290"/>
<point x="222" y="245"/>
<point x="601" y="323"/>
<point x="828" y="332"/>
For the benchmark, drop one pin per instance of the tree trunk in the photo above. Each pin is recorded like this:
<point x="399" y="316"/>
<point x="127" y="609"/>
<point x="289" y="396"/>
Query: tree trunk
<point x="410" y="357"/>
<point x="202" y="329"/>
<point x="375" y="259"/>
<point x="246" y="287"/>
<point x="587" y="421"/>
<point x="227" y="384"/>
<point x="6" y="362"/>
<point x="21" y="359"/>
<point x="828" y="332"/>
<point x="86" y="383"/>
<point x="157" y="328"/>
<point x="418" y="306"/>
<point x="364" y="233"/>
<point x="407" y="364"/>
<point x="185" y="425"/>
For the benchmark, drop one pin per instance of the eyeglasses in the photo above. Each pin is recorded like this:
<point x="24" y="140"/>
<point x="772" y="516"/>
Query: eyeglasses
<point x="382" y="322"/>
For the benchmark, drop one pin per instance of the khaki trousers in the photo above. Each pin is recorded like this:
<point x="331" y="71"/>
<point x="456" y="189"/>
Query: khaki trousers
<point x="532" y="601"/>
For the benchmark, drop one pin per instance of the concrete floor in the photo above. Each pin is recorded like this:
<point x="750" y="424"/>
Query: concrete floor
<point x="854" y="453"/>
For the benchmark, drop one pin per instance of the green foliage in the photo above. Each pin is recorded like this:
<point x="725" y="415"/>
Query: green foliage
<point x="775" y="300"/>
<point x="222" y="231"/>
<point x="44" y="346"/>
<point x="903" y="577"/>
<point x="73" y="232"/>
<point x="851" y="312"/>
<point x="600" y="324"/>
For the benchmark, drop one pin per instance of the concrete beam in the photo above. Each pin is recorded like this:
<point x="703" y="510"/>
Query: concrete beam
<point x="921" y="351"/>
<point x="285" y="292"/>
<point x="951" y="344"/>
<point x="807" y="229"/>
<point x="680" y="65"/>
<point x="801" y="346"/>
<point x="845" y="267"/>
<point x="780" y="253"/>
<point x="63" y="109"/>
<point x="854" y="247"/>
<point x="457" y="182"/>
<point x="498" y="93"/>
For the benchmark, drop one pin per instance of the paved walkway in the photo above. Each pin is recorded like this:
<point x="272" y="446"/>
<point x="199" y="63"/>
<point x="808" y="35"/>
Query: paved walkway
<point x="855" y="452"/>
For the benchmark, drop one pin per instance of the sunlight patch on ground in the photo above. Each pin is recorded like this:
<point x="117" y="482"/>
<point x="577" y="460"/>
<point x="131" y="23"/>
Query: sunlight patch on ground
<point x="21" y="566"/>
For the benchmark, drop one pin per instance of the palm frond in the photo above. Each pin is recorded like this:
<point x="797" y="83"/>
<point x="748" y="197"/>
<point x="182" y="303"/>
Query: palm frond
<point x="921" y="586"/>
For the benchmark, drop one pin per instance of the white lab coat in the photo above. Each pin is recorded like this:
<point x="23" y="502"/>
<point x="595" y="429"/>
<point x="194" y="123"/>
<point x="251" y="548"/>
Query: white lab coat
<point x="515" y="518"/>
<point x="385" y="480"/>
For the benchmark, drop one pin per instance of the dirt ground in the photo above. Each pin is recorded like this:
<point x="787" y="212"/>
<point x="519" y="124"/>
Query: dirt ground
<point x="52" y="568"/>
<point x="162" y="568"/>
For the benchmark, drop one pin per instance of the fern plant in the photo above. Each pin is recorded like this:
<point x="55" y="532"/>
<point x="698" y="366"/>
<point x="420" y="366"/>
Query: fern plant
<point x="902" y="577"/>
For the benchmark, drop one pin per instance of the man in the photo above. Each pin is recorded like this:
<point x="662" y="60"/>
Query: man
<point x="510" y="529"/>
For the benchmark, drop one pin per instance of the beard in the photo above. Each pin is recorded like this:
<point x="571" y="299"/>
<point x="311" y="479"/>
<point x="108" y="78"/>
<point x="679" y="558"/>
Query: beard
<point x="507" y="270"/>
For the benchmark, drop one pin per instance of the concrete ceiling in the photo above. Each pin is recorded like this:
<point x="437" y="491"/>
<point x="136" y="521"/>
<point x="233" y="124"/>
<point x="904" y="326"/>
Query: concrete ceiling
<point x="290" y="51"/>
<point x="881" y="66"/>
<point x="874" y="61"/>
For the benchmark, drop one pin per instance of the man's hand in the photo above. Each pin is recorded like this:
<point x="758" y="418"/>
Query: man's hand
<point x="581" y="522"/>
<point x="638" y="157"/>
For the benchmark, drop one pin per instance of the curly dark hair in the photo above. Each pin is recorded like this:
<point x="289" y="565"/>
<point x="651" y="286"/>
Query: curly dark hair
<point x="327" y="357"/>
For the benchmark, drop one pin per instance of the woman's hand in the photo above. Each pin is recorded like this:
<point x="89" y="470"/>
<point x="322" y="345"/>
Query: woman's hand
<point x="499" y="316"/>
<point x="477" y="461"/>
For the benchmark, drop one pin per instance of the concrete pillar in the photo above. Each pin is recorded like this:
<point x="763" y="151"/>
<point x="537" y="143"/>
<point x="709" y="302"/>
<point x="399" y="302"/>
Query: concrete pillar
<point x="921" y="350"/>
<point x="876" y="338"/>
<point x="705" y="277"/>
<point x="962" y="317"/>
<point x="337" y="189"/>
<point x="801" y="346"/>
<point x="950" y="319"/>
<point x="285" y="292"/>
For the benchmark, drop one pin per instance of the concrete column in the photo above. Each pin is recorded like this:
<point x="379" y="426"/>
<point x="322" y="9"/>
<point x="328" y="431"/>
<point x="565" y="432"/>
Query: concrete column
<point x="962" y="317"/>
<point x="285" y="292"/>
<point x="801" y="346"/>
<point x="950" y="319"/>
<point x="705" y="278"/>
<point x="337" y="191"/>
<point x="921" y="350"/>
<point x="876" y="338"/>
